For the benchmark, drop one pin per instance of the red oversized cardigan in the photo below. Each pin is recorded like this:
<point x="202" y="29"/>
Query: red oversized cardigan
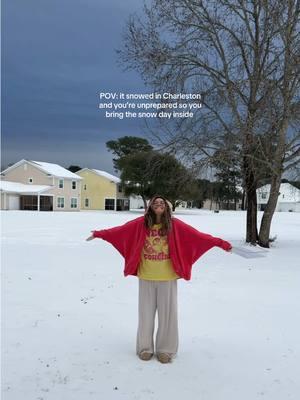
<point x="186" y="244"/>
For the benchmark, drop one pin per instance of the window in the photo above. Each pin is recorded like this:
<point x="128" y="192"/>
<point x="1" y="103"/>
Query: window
<point x="120" y="188"/>
<point x="61" y="183"/>
<point x="30" y="180"/>
<point x="264" y="195"/>
<point x="84" y="187"/>
<point x="86" y="202"/>
<point x="73" y="184"/>
<point x="60" y="202"/>
<point x="122" y="204"/>
<point x="109" y="204"/>
<point x="73" y="202"/>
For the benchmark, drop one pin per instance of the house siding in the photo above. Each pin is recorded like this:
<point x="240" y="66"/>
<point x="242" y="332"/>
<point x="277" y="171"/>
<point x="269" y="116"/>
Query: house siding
<point x="67" y="192"/>
<point x="22" y="174"/>
<point x="3" y="205"/>
<point x="98" y="189"/>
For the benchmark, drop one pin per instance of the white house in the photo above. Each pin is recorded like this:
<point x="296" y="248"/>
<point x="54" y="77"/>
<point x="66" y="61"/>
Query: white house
<point x="136" y="202"/>
<point x="288" y="199"/>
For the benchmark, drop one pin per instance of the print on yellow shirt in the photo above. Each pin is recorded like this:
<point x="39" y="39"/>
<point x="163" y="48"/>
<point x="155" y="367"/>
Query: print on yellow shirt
<point x="155" y="261"/>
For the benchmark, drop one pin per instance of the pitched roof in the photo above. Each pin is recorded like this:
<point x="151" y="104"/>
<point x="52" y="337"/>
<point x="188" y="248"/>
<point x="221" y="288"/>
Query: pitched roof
<point x="104" y="174"/>
<point x="17" y="187"/>
<point x="49" y="168"/>
<point x="107" y="175"/>
<point x="55" y="169"/>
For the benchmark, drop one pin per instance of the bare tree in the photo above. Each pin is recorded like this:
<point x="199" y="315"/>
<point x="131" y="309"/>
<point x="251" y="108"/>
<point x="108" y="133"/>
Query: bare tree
<point x="243" y="56"/>
<point x="286" y="154"/>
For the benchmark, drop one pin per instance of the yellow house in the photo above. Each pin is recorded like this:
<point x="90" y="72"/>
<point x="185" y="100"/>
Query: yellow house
<point x="101" y="191"/>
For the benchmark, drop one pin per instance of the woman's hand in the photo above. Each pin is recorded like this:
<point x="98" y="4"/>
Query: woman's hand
<point x="226" y="246"/>
<point x="229" y="250"/>
<point x="90" y="237"/>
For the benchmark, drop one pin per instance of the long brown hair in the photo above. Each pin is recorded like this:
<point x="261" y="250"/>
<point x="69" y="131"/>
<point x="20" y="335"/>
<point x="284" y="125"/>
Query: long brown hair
<point x="166" y="218"/>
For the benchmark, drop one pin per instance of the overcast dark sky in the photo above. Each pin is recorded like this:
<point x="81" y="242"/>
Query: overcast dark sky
<point x="57" y="55"/>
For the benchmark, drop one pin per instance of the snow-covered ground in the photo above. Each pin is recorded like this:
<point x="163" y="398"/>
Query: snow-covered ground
<point x="70" y="317"/>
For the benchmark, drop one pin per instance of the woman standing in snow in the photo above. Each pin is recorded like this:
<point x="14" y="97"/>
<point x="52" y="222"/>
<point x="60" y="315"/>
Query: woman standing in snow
<point x="158" y="249"/>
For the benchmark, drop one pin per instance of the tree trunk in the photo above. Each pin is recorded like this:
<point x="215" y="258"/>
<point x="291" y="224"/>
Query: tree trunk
<point x="145" y="202"/>
<point x="251" y="186"/>
<point x="265" y="227"/>
<point x="250" y="180"/>
<point x="251" y="229"/>
<point x="243" y="205"/>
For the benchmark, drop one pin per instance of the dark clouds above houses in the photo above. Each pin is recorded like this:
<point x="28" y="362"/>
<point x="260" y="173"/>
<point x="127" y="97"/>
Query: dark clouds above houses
<point x="57" y="56"/>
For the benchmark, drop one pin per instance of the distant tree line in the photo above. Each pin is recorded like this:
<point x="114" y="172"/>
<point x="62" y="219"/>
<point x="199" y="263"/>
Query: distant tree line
<point x="145" y="171"/>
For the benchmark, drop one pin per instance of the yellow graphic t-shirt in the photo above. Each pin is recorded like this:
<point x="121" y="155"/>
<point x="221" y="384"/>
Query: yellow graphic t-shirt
<point x="155" y="263"/>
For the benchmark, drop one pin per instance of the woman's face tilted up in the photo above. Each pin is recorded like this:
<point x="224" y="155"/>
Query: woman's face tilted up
<point x="158" y="206"/>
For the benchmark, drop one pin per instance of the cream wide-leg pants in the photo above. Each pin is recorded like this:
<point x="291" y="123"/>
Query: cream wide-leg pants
<point x="160" y="296"/>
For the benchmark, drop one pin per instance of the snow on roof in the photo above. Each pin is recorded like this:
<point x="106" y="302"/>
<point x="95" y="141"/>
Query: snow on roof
<point x="107" y="175"/>
<point x="284" y="188"/>
<point x="17" y="187"/>
<point x="55" y="169"/>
